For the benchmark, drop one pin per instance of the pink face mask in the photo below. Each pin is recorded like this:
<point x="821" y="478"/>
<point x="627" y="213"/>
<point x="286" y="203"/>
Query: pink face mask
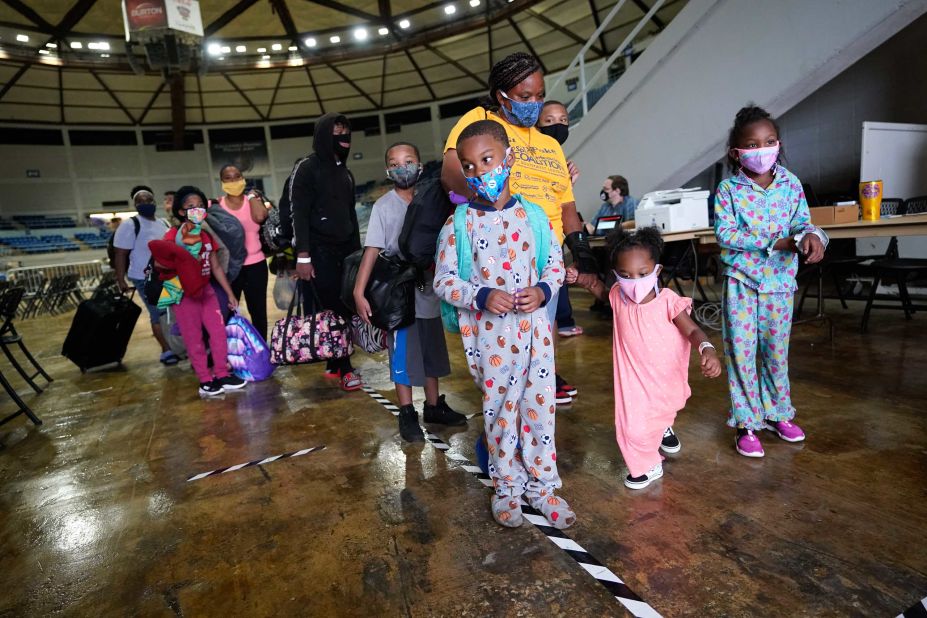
<point x="638" y="289"/>
<point x="758" y="160"/>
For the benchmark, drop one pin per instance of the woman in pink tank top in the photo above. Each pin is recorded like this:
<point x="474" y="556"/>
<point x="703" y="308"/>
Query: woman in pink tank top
<point x="250" y="211"/>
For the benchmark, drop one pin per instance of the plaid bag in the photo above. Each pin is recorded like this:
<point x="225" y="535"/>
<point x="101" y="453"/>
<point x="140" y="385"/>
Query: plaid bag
<point x="303" y="337"/>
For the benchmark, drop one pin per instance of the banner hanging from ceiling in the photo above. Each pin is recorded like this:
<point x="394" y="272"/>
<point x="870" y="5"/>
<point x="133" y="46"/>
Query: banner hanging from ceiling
<point x="145" y="15"/>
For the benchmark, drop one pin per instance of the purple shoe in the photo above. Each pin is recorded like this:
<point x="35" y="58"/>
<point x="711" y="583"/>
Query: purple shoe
<point x="787" y="430"/>
<point x="748" y="444"/>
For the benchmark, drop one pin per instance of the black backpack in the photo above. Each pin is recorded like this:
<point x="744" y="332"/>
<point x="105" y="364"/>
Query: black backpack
<point x="111" y="248"/>
<point x="427" y="212"/>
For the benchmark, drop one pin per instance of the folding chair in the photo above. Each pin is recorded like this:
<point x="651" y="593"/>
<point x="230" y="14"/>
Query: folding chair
<point x="9" y="303"/>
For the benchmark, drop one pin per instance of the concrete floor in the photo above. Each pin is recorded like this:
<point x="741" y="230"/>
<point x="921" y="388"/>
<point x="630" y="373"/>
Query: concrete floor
<point x="96" y="516"/>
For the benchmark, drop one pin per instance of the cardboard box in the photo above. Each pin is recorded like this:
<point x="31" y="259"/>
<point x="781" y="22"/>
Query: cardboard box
<point x="829" y="215"/>
<point x="822" y="215"/>
<point x="846" y="214"/>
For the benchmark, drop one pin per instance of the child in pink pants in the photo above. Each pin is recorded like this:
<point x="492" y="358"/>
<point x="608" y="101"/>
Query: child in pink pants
<point x="197" y="307"/>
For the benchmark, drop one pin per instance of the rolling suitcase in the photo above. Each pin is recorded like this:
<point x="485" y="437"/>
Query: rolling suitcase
<point x="101" y="330"/>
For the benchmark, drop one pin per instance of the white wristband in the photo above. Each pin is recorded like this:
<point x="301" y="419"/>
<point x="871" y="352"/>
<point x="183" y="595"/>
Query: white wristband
<point x="304" y="260"/>
<point x="703" y="345"/>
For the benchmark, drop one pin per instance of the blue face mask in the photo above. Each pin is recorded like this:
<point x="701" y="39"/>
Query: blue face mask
<point x="490" y="185"/>
<point x="523" y="113"/>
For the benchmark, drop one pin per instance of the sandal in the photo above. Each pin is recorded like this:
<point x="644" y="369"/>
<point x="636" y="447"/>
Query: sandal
<point x="506" y="510"/>
<point x="555" y="510"/>
<point x="351" y="381"/>
<point x="570" y="331"/>
<point x="169" y="358"/>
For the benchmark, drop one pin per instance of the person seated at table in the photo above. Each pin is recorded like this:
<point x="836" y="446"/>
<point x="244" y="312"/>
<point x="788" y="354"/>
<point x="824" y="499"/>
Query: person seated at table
<point x="617" y="201"/>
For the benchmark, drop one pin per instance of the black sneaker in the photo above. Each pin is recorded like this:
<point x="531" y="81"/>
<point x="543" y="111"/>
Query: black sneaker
<point x="210" y="389"/>
<point x="670" y="443"/>
<point x="231" y="382"/>
<point x="409" y="428"/>
<point x="442" y="414"/>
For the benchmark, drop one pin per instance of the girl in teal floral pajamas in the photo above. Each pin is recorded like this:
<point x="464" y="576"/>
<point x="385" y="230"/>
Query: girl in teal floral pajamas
<point x="762" y="223"/>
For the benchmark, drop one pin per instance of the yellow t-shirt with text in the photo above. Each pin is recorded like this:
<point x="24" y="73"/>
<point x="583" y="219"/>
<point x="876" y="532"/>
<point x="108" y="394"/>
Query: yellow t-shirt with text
<point x="540" y="171"/>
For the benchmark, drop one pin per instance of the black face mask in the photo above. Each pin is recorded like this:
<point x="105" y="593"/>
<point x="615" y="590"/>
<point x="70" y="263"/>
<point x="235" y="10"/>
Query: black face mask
<point x="604" y="195"/>
<point x="559" y="132"/>
<point x="340" y="150"/>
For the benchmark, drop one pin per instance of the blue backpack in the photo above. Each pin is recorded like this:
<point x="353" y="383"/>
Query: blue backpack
<point x="540" y="228"/>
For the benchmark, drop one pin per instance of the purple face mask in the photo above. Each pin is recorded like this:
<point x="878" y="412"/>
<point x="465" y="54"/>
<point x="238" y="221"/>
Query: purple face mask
<point x="638" y="289"/>
<point x="758" y="160"/>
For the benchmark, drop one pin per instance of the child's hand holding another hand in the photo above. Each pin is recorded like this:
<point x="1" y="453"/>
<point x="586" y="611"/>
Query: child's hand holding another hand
<point x="711" y="365"/>
<point x="571" y="275"/>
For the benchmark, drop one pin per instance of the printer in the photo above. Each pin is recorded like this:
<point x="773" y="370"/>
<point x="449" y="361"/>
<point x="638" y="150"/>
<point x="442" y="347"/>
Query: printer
<point x="674" y="210"/>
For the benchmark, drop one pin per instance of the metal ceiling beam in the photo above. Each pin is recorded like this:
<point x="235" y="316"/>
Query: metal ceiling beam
<point x="383" y="82"/>
<point x="199" y="91"/>
<point x="551" y="23"/>
<point x="114" y="97"/>
<point x="61" y="92"/>
<point x="151" y="101"/>
<point x="315" y="89"/>
<point x="31" y="15"/>
<point x="598" y="23"/>
<point x="244" y="96"/>
<point x="344" y="8"/>
<point x="226" y="18"/>
<point x="527" y="44"/>
<point x="273" y="98"/>
<point x="351" y="83"/>
<point x="12" y="81"/>
<point x="646" y="9"/>
<point x="420" y="74"/>
<point x="386" y="10"/>
<point x="72" y="17"/>
<point x="482" y="82"/>
<point x="286" y="19"/>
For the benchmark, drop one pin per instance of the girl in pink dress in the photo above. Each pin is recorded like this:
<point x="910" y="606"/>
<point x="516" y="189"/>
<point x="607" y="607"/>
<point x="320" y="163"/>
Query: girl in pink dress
<point x="653" y="338"/>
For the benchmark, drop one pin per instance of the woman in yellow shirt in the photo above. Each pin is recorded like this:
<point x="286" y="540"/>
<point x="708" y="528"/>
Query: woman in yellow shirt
<point x="539" y="172"/>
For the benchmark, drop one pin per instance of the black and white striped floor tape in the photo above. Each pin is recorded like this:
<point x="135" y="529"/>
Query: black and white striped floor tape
<point x="574" y="550"/>
<point x="918" y="610"/>
<point x="256" y="462"/>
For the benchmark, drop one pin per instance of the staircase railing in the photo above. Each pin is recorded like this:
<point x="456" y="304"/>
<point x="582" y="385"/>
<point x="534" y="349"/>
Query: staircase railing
<point x="591" y="85"/>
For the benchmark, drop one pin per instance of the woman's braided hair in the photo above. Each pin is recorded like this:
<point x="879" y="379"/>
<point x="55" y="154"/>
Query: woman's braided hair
<point x="509" y="72"/>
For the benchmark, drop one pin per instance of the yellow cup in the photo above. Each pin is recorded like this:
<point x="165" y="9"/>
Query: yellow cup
<point x="870" y="198"/>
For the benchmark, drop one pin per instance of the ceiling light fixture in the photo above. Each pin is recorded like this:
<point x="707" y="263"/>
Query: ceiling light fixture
<point x="404" y="24"/>
<point x="262" y="50"/>
<point x="450" y="9"/>
<point x="383" y="31"/>
<point x="214" y="49"/>
<point x="310" y="42"/>
<point x="221" y="58"/>
<point x="276" y="47"/>
<point x="77" y="45"/>
<point x="98" y="45"/>
<point x="44" y="52"/>
<point x="226" y="49"/>
<point x="292" y="48"/>
<point x="241" y="49"/>
<point x="104" y="55"/>
<point x="51" y="45"/>
<point x="22" y="38"/>
<point x="335" y="39"/>
<point x="360" y="34"/>
<point x="474" y="3"/>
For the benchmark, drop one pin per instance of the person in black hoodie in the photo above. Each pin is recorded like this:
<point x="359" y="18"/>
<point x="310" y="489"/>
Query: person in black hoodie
<point x="325" y="228"/>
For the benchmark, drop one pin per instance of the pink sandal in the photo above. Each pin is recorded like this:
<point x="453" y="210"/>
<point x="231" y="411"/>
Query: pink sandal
<point x="570" y="331"/>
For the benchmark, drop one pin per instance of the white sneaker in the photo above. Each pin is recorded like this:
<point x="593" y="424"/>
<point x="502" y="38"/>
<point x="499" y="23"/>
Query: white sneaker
<point x="639" y="482"/>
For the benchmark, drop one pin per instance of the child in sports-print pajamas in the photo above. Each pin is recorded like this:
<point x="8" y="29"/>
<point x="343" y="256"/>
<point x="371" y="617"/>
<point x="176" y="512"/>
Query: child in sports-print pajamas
<point x="511" y="356"/>
<point x="762" y="222"/>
